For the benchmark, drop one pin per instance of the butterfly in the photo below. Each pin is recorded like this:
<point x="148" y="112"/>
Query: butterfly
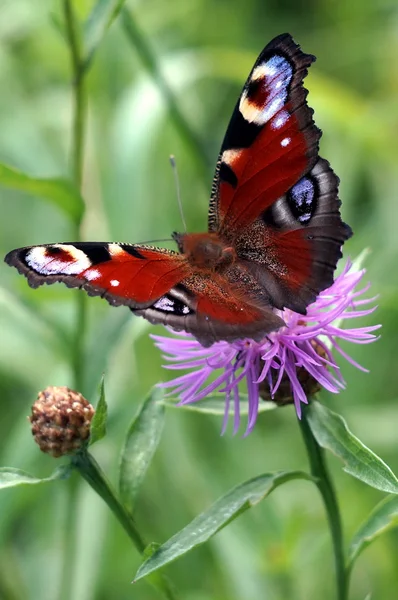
<point x="274" y="228"/>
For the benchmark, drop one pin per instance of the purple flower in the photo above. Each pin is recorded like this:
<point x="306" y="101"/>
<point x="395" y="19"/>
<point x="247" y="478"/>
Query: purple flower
<point x="285" y="359"/>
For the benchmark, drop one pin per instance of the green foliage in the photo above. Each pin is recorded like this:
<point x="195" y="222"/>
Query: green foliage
<point x="332" y="433"/>
<point x="220" y="514"/>
<point x="215" y="405"/>
<point x="383" y="518"/>
<point x="56" y="190"/>
<point x="142" y="439"/>
<point x="98" y="422"/>
<point x="10" y="477"/>
<point x="102" y="15"/>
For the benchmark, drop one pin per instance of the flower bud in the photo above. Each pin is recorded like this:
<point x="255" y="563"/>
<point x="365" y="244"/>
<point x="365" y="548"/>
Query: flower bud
<point x="61" y="420"/>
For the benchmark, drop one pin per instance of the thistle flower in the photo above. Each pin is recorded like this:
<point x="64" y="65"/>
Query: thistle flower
<point x="288" y="365"/>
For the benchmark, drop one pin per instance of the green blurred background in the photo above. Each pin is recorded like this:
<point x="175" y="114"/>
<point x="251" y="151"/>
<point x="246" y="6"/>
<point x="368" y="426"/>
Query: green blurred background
<point x="280" y="550"/>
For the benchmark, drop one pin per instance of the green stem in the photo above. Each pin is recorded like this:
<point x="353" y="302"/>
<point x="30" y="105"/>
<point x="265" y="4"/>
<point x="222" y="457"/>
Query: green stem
<point x="320" y="472"/>
<point x="92" y="473"/>
<point x="148" y="58"/>
<point x="77" y="156"/>
<point x="77" y="351"/>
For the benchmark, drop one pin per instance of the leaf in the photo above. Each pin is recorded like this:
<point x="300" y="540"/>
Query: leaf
<point x="98" y="422"/>
<point x="142" y="440"/>
<point x="215" y="405"/>
<point x="220" y="514"/>
<point x="331" y="432"/>
<point x="10" y="477"/>
<point x="59" y="191"/>
<point x="100" y="19"/>
<point x="383" y="518"/>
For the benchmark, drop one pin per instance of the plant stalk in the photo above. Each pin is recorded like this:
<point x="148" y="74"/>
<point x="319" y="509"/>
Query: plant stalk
<point x="323" y="481"/>
<point x="92" y="473"/>
<point x="77" y="160"/>
<point x="77" y="350"/>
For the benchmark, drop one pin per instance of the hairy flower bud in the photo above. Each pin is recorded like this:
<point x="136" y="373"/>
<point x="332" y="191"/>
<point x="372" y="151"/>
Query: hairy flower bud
<point x="61" y="420"/>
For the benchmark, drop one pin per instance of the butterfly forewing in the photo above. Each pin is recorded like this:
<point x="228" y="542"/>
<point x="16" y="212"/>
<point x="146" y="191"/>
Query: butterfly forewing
<point x="121" y="273"/>
<point x="271" y="140"/>
<point x="273" y="197"/>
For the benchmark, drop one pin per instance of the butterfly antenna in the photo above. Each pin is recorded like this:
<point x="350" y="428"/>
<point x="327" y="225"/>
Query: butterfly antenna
<point x="154" y="241"/>
<point x="177" y="182"/>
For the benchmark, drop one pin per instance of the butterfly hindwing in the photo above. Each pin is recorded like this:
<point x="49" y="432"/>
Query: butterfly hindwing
<point x="209" y="307"/>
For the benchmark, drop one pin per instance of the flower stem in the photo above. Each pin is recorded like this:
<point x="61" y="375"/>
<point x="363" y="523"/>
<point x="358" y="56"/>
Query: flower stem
<point x="77" y="351"/>
<point x="92" y="473"/>
<point x="148" y="58"/>
<point x="323" y="481"/>
<point x="77" y="155"/>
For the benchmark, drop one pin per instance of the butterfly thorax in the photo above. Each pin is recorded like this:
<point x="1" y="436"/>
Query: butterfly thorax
<point x="206" y="250"/>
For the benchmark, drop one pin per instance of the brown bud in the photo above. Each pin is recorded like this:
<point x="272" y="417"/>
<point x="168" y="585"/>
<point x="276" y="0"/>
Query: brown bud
<point x="61" y="420"/>
<point x="284" y="393"/>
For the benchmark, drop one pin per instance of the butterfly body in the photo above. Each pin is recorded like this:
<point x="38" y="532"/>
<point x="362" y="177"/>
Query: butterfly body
<point x="274" y="231"/>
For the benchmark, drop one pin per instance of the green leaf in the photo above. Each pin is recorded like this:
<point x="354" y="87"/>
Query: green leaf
<point x="220" y="514"/>
<point x="331" y="432"/>
<point x="142" y="440"/>
<point x="215" y="405"/>
<point x="10" y="477"/>
<point x="58" y="191"/>
<point x="100" y="19"/>
<point x="98" y="422"/>
<point x="383" y="518"/>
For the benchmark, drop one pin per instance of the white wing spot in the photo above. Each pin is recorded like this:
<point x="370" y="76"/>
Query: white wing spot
<point x="115" y="249"/>
<point x="115" y="282"/>
<point x="280" y="120"/>
<point x="92" y="274"/>
<point x="285" y="142"/>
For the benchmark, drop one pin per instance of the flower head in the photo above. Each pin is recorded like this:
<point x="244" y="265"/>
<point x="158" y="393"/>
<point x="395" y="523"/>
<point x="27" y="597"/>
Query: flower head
<point x="293" y="362"/>
<point x="61" y="420"/>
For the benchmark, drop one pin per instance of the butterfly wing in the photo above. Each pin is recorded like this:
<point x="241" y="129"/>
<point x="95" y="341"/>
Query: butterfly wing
<point x="209" y="307"/>
<point x="157" y="284"/>
<point x="273" y="198"/>
<point x="131" y="275"/>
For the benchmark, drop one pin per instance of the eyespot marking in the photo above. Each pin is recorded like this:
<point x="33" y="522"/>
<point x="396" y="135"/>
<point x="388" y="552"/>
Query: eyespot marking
<point x="302" y="200"/>
<point x="172" y="305"/>
<point x="58" y="259"/>
<point x="266" y="91"/>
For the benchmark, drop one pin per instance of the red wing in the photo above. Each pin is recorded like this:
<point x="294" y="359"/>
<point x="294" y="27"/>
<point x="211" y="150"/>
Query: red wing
<point x="157" y="284"/>
<point x="274" y="199"/>
<point x="209" y="307"/>
<point x="121" y="273"/>
<point x="271" y="141"/>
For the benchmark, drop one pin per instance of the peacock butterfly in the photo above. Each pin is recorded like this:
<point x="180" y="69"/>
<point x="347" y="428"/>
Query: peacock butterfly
<point x="274" y="233"/>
